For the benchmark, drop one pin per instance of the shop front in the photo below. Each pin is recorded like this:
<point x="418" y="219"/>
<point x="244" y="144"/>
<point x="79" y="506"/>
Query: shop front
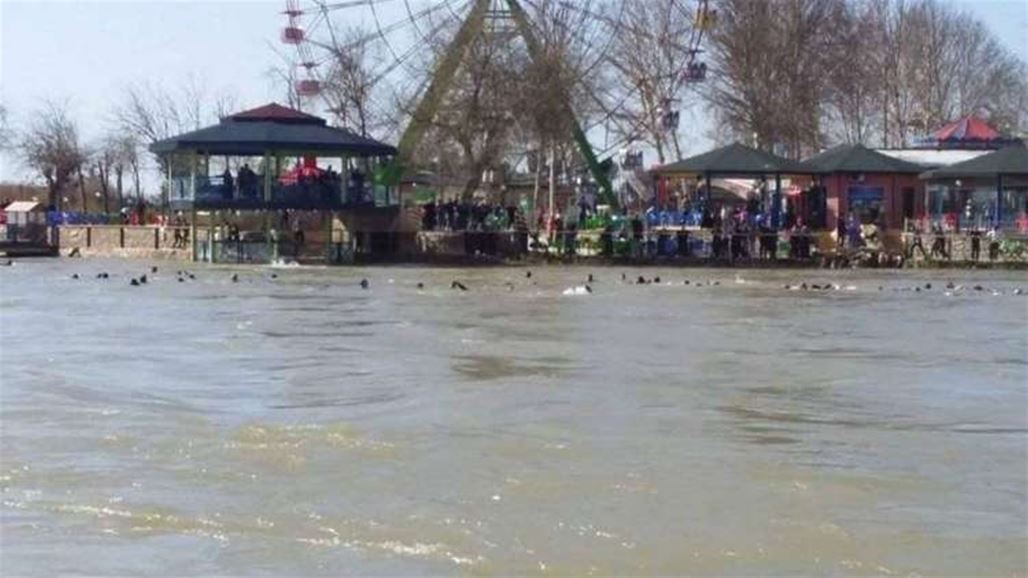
<point x="872" y="187"/>
<point x="987" y="192"/>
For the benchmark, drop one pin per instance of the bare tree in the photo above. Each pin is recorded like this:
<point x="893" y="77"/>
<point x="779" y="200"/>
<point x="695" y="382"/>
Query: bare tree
<point x="349" y="84"/>
<point x="1007" y="106"/>
<point x="50" y="146"/>
<point x="283" y="78"/>
<point x="102" y="161"/>
<point x="472" y="128"/>
<point x="772" y="61"/>
<point x="80" y="176"/>
<point x="931" y="49"/>
<point x="987" y="78"/>
<point x="908" y="66"/>
<point x="650" y="54"/>
<point x="742" y="94"/>
<point x="123" y="149"/>
<point x="150" y="113"/>
<point x="477" y="113"/>
<point x="6" y="137"/>
<point x="889" y="71"/>
<point x="116" y="155"/>
<point x="856" y="78"/>
<point x="563" y="76"/>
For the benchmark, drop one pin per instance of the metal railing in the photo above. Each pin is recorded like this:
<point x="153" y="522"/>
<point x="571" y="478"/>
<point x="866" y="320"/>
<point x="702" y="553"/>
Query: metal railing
<point x="258" y="248"/>
<point x="965" y="247"/>
<point x="313" y="193"/>
<point x="958" y="222"/>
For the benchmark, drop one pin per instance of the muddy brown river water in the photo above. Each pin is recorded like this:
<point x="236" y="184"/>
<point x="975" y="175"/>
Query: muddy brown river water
<point x="303" y="426"/>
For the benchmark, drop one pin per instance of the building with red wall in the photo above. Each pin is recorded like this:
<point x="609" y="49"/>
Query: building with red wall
<point x="872" y="186"/>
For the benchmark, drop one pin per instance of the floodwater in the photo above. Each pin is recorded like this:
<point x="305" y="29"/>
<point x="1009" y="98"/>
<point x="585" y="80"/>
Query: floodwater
<point x="304" y="426"/>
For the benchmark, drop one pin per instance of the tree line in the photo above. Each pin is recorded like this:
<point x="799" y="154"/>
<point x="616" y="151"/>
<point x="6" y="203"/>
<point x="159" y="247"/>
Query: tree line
<point x="789" y="76"/>
<point x="106" y="173"/>
<point x="805" y="74"/>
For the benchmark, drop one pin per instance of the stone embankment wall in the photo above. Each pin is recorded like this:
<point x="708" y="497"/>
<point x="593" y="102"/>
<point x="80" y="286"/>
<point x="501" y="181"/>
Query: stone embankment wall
<point x="370" y="241"/>
<point x="141" y="242"/>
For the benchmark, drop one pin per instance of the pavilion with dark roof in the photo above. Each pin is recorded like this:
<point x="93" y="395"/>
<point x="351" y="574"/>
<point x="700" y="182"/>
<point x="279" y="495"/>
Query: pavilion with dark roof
<point x="731" y="161"/>
<point x="736" y="160"/>
<point x="273" y="129"/>
<point x="275" y="162"/>
<point x="990" y="190"/>
<point x="872" y="186"/>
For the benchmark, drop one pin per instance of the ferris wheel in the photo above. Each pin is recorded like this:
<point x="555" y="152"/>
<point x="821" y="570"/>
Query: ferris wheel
<point x="395" y="41"/>
<point x="392" y="32"/>
<point x="398" y="30"/>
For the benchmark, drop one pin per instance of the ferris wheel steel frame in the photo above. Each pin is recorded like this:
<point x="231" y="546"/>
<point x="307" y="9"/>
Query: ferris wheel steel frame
<point x="441" y="78"/>
<point x="584" y="147"/>
<point x="694" y="70"/>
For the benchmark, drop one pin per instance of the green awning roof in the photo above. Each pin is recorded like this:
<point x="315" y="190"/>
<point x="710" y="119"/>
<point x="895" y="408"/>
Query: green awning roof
<point x="856" y="158"/>
<point x="1009" y="161"/>
<point x="734" y="159"/>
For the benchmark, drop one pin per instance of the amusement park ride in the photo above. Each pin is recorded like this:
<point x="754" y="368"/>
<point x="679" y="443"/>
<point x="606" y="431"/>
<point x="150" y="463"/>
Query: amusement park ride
<point x="311" y="30"/>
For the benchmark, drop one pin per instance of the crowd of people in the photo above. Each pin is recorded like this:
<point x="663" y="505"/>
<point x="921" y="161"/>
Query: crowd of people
<point x="312" y="184"/>
<point x="466" y="216"/>
<point x="244" y="186"/>
<point x="738" y="232"/>
<point x="734" y="232"/>
<point x="941" y="243"/>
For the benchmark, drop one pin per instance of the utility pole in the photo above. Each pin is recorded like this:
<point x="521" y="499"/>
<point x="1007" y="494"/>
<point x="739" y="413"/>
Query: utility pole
<point x="553" y="187"/>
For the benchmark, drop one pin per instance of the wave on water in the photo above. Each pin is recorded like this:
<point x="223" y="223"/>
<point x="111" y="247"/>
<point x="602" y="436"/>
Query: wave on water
<point x="291" y="264"/>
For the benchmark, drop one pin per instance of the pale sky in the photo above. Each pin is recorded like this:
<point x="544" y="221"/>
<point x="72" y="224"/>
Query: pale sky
<point x="86" y="52"/>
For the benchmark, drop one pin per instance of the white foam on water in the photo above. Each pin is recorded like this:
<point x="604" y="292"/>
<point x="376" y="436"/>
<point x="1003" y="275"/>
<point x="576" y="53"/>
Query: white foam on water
<point x="577" y="291"/>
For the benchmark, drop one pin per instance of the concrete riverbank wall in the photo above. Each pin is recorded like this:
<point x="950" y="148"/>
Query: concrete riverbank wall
<point x="447" y="247"/>
<point x="125" y="241"/>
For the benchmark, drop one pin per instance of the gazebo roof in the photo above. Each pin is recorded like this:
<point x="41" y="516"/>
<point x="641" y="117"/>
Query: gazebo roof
<point x="273" y="127"/>
<point x="275" y="112"/>
<point x="734" y="159"/>
<point x="856" y="158"/>
<point x="1012" y="160"/>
